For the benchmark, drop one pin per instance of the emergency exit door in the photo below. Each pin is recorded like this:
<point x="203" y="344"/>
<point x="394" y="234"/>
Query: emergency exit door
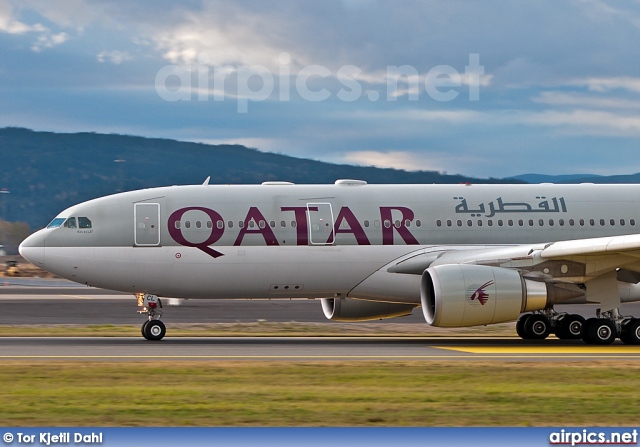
<point x="320" y="217"/>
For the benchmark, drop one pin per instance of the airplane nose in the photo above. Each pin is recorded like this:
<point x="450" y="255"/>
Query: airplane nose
<point x="32" y="248"/>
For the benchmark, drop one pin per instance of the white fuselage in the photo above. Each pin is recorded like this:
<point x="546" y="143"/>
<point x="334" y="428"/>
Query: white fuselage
<point x="311" y="241"/>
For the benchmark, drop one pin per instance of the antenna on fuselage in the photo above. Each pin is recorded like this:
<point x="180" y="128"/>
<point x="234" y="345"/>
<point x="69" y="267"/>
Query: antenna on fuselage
<point x="206" y="182"/>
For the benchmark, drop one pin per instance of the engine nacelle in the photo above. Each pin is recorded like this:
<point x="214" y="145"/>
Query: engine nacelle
<point x="459" y="295"/>
<point x="345" y="309"/>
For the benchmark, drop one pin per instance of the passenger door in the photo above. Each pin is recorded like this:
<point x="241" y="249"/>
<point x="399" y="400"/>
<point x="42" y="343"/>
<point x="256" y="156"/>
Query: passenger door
<point x="147" y="224"/>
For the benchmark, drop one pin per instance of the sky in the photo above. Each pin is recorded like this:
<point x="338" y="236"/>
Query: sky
<point x="485" y="89"/>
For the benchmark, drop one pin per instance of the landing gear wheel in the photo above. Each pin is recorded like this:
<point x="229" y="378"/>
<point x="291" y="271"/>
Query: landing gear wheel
<point x="570" y="327"/>
<point x="520" y="325"/>
<point x="631" y="332"/>
<point x="154" y="330"/>
<point x="537" y="327"/>
<point x="599" y="331"/>
<point x="144" y="325"/>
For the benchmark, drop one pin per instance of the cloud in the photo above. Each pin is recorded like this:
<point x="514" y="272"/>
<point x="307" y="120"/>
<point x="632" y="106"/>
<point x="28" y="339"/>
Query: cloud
<point x="49" y="40"/>
<point x="409" y="161"/>
<point x="9" y="24"/>
<point x="589" y="122"/>
<point x="559" y="98"/>
<point x="604" y="84"/>
<point x="115" y="57"/>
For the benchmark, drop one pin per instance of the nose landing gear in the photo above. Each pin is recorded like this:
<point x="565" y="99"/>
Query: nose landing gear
<point x="153" y="329"/>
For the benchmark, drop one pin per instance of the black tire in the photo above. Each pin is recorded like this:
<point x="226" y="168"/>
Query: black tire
<point x="598" y="331"/>
<point x="520" y="325"/>
<point x="570" y="327"/>
<point x="537" y="327"/>
<point x="631" y="332"/>
<point x="142" y="329"/>
<point x="155" y="330"/>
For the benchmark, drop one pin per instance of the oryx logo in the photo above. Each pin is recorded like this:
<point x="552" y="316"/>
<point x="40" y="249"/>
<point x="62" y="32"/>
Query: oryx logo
<point x="480" y="295"/>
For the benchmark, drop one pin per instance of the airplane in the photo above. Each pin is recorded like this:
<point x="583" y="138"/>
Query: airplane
<point x="465" y="254"/>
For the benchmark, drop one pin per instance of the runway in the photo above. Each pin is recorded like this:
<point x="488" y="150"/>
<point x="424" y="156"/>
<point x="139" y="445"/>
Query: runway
<point x="307" y="349"/>
<point x="25" y="301"/>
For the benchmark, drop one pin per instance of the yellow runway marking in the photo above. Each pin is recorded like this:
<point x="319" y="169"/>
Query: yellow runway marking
<point x="582" y="350"/>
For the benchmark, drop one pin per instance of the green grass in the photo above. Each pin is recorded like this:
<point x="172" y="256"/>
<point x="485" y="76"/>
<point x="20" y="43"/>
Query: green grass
<point x="468" y="393"/>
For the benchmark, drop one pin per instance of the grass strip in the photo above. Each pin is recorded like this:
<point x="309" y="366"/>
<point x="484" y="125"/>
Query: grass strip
<point x="433" y="393"/>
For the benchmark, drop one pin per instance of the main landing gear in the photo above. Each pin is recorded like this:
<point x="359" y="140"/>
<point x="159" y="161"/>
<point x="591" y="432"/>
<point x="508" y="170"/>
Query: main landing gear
<point x="153" y="329"/>
<point x="538" y="326"/>
<point x="602" y="330"/>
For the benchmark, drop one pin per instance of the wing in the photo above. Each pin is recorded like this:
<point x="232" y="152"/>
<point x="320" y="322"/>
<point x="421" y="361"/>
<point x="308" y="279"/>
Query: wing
<point x="525" y="277"/>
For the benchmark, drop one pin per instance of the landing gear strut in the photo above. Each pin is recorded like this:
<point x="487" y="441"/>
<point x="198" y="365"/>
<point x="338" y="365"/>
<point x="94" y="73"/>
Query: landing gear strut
<point x="153" y="329"/>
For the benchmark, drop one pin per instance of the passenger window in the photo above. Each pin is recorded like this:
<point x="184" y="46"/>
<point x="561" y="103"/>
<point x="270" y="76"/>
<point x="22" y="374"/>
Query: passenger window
<point x="366" y="224"/>
<point x="438" y="223"/>
<point x="530" y="222"/>
<point x="387" y="223"/>
<point x="561" y="222"/>
<point x="198" y="224"/>
<point x="84" y="222"/>
<point x="272" y="224"/>
<point x="220" y="224"/>
<point x="612" y="222"/>
<point x="177" y="224"/>
<point x="632" y="222"/>
<point x="469" y="223"/>
<point x="479" y="223"/>
<point x="622" y="222"/>
<point x="230" y="224"/>
<point x="602" y="222"/>
<point x="407" y="223"/>
<point x="541" y="222"/>
<point x="459" y="222"/>
<point x="283" y="224"/>
<point x="571" y="222"/>
<point x="70" y="223"/>
<point x="418" y="223"/>
<point x="520" y="222"/>
<point x="592" y="222"/>
<point x="449" y="223"/>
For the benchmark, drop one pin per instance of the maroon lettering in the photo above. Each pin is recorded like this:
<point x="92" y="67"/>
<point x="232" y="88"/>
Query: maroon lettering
<point x="263" y="229"/>
<point x="354" y="226"/>
<point x="216" y="233"/>
<point x="302" y="228"/>
<point x="386" y="216"/>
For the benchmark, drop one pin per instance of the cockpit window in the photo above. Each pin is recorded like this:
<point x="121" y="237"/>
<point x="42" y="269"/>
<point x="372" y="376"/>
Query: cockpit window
<point x="70" y="223"/>
<point x="57" y="222"/>
<point x="84" y="222"/>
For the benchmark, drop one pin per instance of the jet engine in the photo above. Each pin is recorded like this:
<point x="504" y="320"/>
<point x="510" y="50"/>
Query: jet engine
<point x="345" y="309"/>
<point x="459" y="295"/>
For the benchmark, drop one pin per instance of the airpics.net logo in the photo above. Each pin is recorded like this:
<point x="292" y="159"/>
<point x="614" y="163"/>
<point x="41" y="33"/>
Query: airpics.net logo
<point x="315" y="83"/>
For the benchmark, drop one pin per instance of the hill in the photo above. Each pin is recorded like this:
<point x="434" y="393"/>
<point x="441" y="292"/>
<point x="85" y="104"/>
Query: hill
<point x="47" y="172"/>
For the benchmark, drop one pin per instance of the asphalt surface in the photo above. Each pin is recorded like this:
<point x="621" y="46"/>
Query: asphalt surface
<point x="307" y="349"/>
<point x="26" y="301"/>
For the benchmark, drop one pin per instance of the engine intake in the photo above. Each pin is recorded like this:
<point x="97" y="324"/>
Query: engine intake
<point x="345" y="309"/>
<point x="460" y="295"/>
